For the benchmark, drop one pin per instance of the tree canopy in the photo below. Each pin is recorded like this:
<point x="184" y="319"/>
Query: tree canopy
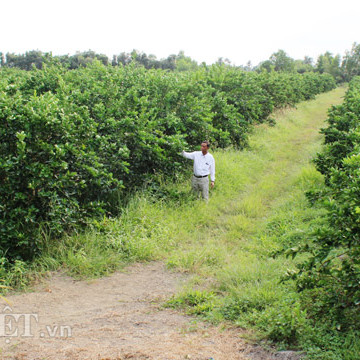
<point x="342" y="69"/>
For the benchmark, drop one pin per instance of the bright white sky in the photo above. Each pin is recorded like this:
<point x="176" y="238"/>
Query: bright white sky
<point x="204" y="29"/>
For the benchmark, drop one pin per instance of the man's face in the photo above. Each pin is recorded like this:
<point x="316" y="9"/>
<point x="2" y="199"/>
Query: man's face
<point x="204" y="148"/>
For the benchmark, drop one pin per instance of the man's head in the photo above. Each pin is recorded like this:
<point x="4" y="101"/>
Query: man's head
<point x="205" y="145"/>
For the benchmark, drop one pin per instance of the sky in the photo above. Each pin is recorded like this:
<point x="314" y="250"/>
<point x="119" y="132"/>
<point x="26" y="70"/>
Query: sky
<point x="240" y="31"/>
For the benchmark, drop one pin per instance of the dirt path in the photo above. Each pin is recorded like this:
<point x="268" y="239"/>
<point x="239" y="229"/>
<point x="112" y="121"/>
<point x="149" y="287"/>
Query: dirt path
<point x="117" y="317"/>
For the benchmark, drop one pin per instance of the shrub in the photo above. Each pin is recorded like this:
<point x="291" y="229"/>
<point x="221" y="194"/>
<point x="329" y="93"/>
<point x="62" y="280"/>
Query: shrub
<point x="330" y="275"/>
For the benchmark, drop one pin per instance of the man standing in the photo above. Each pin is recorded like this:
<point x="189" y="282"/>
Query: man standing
<point x="204" y="165"/>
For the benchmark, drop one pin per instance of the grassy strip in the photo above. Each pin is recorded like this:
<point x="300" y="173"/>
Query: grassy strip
<point x="257" y="207"/>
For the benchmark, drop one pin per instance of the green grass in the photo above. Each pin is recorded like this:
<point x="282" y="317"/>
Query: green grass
<point x="257" y="207"/>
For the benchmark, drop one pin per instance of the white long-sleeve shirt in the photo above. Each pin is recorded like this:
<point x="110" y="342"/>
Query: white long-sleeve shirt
<point x="203" y="164"/>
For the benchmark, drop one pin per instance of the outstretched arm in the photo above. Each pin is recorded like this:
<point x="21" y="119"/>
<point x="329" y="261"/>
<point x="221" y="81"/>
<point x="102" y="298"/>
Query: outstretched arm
<point x="188" y="155"/>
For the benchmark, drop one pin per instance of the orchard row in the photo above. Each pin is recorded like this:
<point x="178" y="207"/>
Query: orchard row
<point x="73" y="142"/>
<point x="331" y="273"/>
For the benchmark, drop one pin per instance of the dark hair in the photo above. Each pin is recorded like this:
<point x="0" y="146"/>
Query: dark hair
<point x="206" y="142"/>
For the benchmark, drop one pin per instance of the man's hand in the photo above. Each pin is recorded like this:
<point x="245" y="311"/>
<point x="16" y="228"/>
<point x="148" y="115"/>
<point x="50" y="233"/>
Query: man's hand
<point x="212" y="184"/>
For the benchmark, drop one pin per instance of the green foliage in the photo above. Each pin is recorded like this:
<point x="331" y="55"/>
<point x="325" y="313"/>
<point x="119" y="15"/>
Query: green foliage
<point x="279" y="62"/>
<point x="49" y="170"/>
<point x="330" y="275"/>
<point x="185" y="63"/>
<point x="351" y="62"/>
<point x="195" y="302"/>
<point x="38" y="59"/>
<point x="303" y="66"/>
<point x="15" y="275"/>
<point x="282" y="62"/>
<point x="27" y="61"/>
<point x="327" y="63"/>
<point x="342" y="134"/>
<point x="287" y="89"/>
<point x="286" y="323"/>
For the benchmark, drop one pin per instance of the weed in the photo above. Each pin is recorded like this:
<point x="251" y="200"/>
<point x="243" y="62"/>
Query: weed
<point x="195" y="302"/>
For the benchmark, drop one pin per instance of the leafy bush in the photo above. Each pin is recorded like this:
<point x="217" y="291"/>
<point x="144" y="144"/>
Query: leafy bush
<point x="330" y="276"/>
<point x="49" y="170"/>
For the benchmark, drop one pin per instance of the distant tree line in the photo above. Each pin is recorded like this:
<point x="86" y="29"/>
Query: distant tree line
<point x="37" y="58"/>
<point x="341" y="68"/>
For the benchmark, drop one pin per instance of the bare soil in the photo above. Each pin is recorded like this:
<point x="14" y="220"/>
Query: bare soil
<point x="113" y="318"/>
